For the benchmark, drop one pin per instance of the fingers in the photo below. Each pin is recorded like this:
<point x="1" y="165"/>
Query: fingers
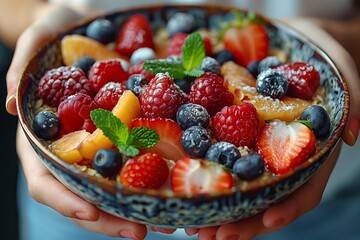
<point x="351" y="132"/>
<point x="114" y="227"/>
<point x="161" y="230"/>
<point x="208" y="233"/>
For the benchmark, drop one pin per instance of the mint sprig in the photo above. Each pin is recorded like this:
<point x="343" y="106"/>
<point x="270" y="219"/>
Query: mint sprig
<point x="193" y="53"/>
<point x="129" y="142"/>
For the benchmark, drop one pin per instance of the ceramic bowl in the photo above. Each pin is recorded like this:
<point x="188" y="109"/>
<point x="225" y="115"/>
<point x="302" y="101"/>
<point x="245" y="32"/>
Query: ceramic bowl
<point x="165" y="209"/>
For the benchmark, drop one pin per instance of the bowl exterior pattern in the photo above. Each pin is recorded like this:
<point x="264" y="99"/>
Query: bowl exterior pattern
<point x="184" y="211"/>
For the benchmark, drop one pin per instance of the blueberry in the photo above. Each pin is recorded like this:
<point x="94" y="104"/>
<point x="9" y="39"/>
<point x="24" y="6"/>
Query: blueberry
<point x="107" y="162"/>
<point x="136" y="83"/>
<point x="210" y="64"/>
<point x="249" y="166"/>
<point x="191" y="114"/>
<point x="319" y="118"/>
<point x="196" y="141"/>
<point x="268" y="62"/>
<point x="142" y="54"/>
<point x="224" y="153"/>
<point x="181" y="22"/>
<point x="271" y="83"/>
<point x="253" y="68"/>
<point x="224" y="56"/>
<point x="84" y="63"/>
<point x="46" y="125"/>
<point x="184" y="84"/>
<point x="102" y="30"/>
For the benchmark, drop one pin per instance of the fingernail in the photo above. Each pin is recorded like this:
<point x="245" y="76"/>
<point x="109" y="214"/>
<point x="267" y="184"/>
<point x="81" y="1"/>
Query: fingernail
<point x="82" y="216"/>
<point x="192" y="231"/>
<point x="10" y="100"/>
<point x="353" y="131"/>
<point x="233" y="237"/>
<point x="277" y="223"/>
<point x="163" y="230"/>
<point x="126" y="233"/>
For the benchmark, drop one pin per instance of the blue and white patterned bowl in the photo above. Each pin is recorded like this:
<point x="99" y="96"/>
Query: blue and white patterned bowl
<point x="165" y="209"/>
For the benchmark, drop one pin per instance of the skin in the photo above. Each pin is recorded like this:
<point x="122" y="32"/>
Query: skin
<point x="45" y="189"/>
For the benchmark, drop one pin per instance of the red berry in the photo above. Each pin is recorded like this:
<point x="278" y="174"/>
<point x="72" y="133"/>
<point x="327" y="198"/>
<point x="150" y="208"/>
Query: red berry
<point x="176" y="43"/>
<point x="238" y="125"/>
<point x="161" y="98"/>
<point x="302" y="77"/>
<point x="209" y="91"/>
<point x="104" y="71"/>
<point x="147" y="171"/>
<point x="59" y="83"/>
<point x="134" y="34"/>
<point x="74" y="113"/>
<point x="138" y="69"/>
<point x="108" y="96"/>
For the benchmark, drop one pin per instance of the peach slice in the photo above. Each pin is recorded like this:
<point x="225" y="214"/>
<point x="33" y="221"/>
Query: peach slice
<point x="127" y="108"/>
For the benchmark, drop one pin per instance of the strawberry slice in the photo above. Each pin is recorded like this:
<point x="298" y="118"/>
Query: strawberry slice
<point x="135" y="33"/>
<point x="284" y="146"/>
<point x="199" y="176"/>
<point x="303" y="79"/>
<point x="169" y="132"/>
<point x="247" y="40"/>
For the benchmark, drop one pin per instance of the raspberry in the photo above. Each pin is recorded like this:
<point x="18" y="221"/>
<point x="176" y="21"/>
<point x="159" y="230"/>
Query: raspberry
<point x="109" y="94"/>
<point x="238" y="125"/>
<point x="138" y="69"/>
<point x="59" y="83"/>
<point x="104" y="71"/>
<point x="74" y="113"/>
<point x="209" y="91"/>
<point x="161" y="98"/>
<point x="176" y="43"/>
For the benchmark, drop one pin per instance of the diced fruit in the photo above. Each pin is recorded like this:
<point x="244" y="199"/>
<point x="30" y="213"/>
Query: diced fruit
<point x="46" y="125"/>
<point x="67" y="147"/>
<point x="74" y="47"/>
<point x="196" y="141"/>
<point x="169" y="132"/>
<point x="284" y="146"/>
<point x="303" y="79"/>
<point x="134" y="34"/>
<point x="271" y="83"/>
<point x="249" y="167"/>
<point x="107" y="162"/>
<point x="319" y="118"/>
<point x="238" y="125"/>
<point x="109" y="94"/>
<point x="148" y="171"/>
<point x="198" y="176"/>
<point x="224" y="153"/>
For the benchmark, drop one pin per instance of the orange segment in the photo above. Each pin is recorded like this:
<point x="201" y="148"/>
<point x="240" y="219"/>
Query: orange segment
<point x="75" y="46"/>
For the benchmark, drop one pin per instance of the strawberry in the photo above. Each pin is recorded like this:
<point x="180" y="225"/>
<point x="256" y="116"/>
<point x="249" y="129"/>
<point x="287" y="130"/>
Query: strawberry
<point x="134" y="34"/>
<point x="198" y="176"/>
<point x="169" y="132"/>
<point x="302" y="77"/>
<point x="247" y="40"/>
<point x="284" y="146"/>
<point x="147" y="171"/>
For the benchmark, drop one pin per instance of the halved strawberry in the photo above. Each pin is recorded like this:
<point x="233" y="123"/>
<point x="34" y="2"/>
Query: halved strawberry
<point x="247" y="40"/>
<point x="169" y="132"/>
<point x="135" y="33"/>
<point x="199" y="176"/>
<point x="284" y="146"/>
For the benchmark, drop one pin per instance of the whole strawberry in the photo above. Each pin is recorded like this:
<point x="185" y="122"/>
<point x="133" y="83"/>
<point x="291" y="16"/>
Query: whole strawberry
<point x="209" y="91"/>
<point x="147" y="171"/>
<point x="74" y="113"/>
<point x="59" y="83"/>
<point x="134" y="34"/>
<point x="109" y="94"/>
<point x="161" y="98"/>
<point x="104" y="71"/>
<point x="238" y="125"/>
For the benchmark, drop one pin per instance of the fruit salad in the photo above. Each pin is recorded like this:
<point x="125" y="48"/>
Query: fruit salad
<point x="180" y="107"/>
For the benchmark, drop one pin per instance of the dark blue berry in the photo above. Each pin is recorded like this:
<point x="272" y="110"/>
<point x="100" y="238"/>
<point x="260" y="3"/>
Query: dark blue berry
<point x="181" y="22"/>
<point x="271" y="83"/>
<point x="249" y="167"/>
<point x="253" y="68"/>
<point x="319" y="118"/>
<point x="184" y="84"/>
<point x="268" y="62"/>
<point x="224" y="153"/>
<point x="136" y="83"/>
<point x="107" y="162"/>
<point x="195" y="141"/>
<point x="210" y="64"/>
<point x="224" y="56"/>
<point x="84" y="63"/>
<point x="142" y="54"/>
<point x="191" y="114"/>
<point x="102" y="30"/>
<point x="46" y="125"/>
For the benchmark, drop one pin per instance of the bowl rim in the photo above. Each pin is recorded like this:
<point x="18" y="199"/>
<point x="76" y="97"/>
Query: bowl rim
<point x="327" y="146"/>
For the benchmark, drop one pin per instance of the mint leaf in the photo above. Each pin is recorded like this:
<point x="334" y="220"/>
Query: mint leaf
<point x="128" y="150"/>
<point x="194" y="73"/>
<point x="193" y="51"/>
<point x="175" y="70"/>
<point x="144" y="137"/>
<point x="306" y="123"/>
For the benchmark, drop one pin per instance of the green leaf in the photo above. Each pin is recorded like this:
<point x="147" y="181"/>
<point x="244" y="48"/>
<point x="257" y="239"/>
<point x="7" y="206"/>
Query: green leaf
<point x="175" y="70"/>
<point x="144" y="137"/>
<point x="128" y="150"/>
<point x="194" y="73"/>
<point x="193" y="51"/>
<point x="306" y="123"/>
